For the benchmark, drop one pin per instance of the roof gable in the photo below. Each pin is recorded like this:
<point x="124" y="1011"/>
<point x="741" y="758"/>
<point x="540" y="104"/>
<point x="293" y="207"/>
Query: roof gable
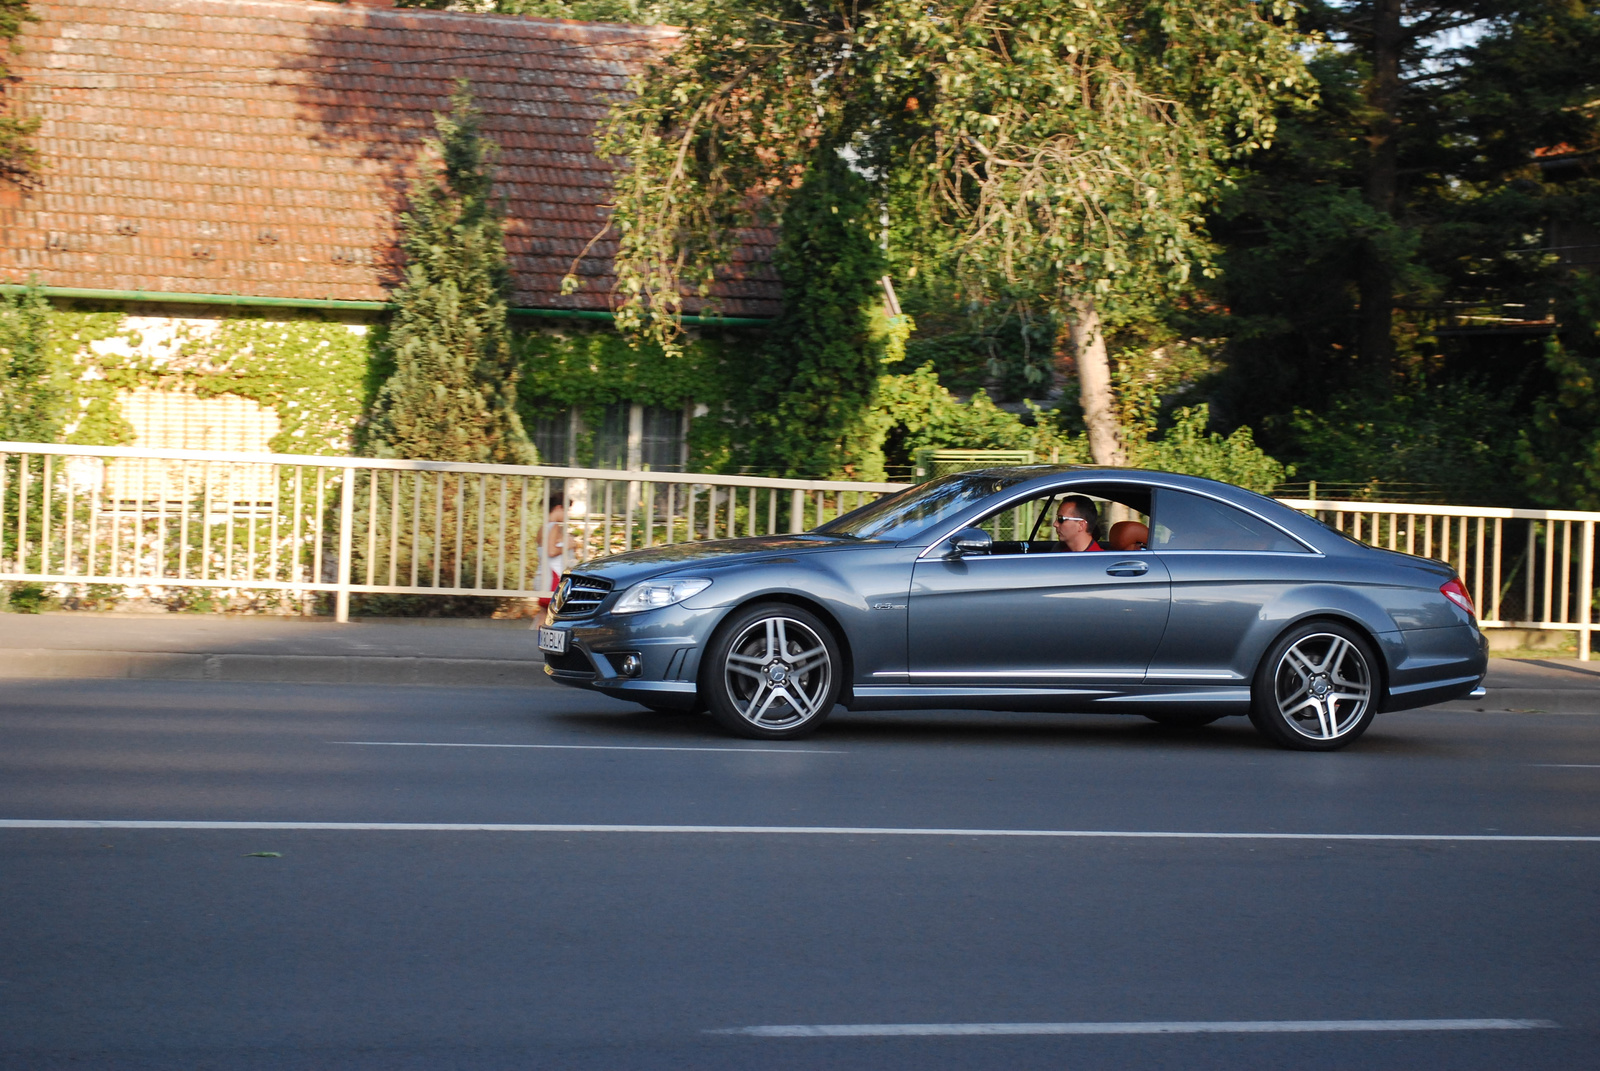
<point x="264" y="147"/>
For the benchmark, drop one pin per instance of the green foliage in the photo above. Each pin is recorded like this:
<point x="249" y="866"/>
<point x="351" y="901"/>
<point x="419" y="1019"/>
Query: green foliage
<point x="813" y="380"/>
<point x="594" y="368"/>
<point x="1560" y="452"/>
<point x="32" y="391"/>
<point x="310" y="372"/>
<point x="1190" y="448"/>
<point x="914" y="410"/>
<point x="632" y="11"/>
<point x="1453" y="439"/>
<point x="452" y="396"/>
<point x="26" y="597"/>
<point x="18" y="158"/>
<point x="93" y="417"/>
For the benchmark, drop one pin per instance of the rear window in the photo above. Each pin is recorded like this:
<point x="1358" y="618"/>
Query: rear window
<point x="1189" y="522"/>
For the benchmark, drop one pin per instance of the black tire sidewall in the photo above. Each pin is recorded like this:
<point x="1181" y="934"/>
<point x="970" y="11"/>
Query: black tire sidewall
<point x="713" y="691"/>
<point x="1264" y="713"/>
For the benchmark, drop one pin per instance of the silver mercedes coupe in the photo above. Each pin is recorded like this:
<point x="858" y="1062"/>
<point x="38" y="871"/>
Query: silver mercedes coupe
<point x="1005" y="589"/>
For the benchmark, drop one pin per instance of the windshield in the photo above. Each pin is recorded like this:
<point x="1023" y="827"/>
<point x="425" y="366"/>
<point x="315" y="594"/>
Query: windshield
<point x="905" y="513"/>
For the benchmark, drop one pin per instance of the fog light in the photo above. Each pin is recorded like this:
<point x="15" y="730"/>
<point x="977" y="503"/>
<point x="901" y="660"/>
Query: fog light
<point x="629" y="665"/>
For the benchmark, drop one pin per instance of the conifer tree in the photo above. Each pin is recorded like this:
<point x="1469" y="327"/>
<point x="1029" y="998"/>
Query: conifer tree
<point x="452" y="395"/>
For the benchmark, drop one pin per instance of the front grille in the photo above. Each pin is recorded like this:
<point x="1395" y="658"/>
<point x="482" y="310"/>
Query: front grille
<point x="578" y="595"/>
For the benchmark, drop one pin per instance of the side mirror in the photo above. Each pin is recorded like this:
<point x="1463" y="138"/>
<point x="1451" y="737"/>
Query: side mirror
<point x="970" y="541"/>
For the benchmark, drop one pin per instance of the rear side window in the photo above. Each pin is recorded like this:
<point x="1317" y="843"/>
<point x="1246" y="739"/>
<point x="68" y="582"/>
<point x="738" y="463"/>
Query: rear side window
<point x="1188" y="522"/>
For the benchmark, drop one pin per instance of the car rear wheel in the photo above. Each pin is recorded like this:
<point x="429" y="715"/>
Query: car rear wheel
<point x="1317" y="688"/>
<point x="771" y="672"/>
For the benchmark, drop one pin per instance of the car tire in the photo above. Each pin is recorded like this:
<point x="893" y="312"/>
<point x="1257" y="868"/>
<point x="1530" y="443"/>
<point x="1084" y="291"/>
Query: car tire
<point x="1183" y="720"/>
<point x="771" y="672"/>
<point x="1317" y="689"/>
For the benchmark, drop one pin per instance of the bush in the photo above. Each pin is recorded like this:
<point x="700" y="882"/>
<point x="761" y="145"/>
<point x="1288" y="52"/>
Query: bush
<point x="27" y="597"/>
<point x="1187" y="447"/>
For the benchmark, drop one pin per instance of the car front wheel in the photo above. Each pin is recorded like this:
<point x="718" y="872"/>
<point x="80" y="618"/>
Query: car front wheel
<point x="1317" y="688"/>
<point x="771" y="672"/>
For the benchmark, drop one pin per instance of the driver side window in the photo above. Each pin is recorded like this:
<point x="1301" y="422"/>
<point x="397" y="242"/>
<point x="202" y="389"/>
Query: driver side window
<point x="1029" y="527"/>
<point x="1023" y="528"/>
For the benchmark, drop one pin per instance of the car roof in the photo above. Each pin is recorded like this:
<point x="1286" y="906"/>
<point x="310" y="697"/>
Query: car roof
<point x="1041" y="477"/>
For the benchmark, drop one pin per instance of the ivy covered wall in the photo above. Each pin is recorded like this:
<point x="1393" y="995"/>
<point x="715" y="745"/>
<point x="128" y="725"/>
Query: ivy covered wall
<point x="311" y="373"/>
<point x="319" y="374"/>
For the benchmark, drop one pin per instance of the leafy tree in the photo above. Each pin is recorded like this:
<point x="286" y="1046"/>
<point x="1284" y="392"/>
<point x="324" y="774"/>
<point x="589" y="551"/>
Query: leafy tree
<point x="17" y="157"/>
<point x="32" y="396"/>
<point x="452" y="394"/>
<point x="1058" y="154"/>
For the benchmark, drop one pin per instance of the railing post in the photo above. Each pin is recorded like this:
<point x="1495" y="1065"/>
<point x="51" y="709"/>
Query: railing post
<point x="797" y="511"/>
<point x="1586" y="591"/>
<point x="347" y="500"/>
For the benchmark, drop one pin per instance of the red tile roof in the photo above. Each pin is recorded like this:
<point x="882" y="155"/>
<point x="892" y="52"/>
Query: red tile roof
<point x="263" y="147"/>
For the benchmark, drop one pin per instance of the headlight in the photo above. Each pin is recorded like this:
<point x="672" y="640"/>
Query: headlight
<point x="654" y="594"/>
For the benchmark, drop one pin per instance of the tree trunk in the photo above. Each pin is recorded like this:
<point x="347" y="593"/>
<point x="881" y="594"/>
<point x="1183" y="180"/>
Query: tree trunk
<point x="1094" y="385"/>
<point x="1376" y="279"/>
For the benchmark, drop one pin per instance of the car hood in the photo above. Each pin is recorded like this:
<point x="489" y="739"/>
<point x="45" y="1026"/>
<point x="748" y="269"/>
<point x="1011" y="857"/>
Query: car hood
<point x="635" y="565"/>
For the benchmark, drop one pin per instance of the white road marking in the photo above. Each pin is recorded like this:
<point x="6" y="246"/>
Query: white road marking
<point x="1291" y="1026"/>
<point x="595" y="747"/>
<point x="1567" y="765"/>
<point x="841" y="831"/>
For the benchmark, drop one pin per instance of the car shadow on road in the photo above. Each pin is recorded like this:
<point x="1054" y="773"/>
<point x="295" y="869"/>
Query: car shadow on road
<point x="1001" y="728"/>
<point x="1390" y="735"/>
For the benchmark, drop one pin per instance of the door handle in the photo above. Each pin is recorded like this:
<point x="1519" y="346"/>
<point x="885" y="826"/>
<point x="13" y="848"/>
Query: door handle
<point x="1128" y="569"/>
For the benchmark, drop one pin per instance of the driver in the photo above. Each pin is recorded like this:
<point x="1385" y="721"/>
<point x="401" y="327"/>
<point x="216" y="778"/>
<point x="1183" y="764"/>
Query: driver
<point x="1076" y="519"/>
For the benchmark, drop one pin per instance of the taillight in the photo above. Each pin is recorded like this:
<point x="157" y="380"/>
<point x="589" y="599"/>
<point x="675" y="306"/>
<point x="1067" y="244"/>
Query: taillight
<point x="1457" y="593"/>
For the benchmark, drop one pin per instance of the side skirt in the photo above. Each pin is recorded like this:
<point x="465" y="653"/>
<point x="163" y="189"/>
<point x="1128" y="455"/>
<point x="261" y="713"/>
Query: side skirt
<point x="1132" y="700"/>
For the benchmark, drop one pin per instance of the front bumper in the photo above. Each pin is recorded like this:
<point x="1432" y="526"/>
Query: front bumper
<point x="668" y="642"/>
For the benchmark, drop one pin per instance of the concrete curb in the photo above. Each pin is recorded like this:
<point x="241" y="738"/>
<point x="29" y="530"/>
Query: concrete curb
<point x="48" y="664"/>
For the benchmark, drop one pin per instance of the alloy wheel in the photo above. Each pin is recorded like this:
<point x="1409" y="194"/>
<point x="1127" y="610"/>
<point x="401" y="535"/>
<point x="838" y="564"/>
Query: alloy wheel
<point x="777" y="672"/>
<point x="1323" y="686"/>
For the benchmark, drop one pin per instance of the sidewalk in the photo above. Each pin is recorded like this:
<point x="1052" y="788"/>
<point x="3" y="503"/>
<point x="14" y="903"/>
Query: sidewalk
<point x="446" y="651"/>
<point x="207" y="647"/>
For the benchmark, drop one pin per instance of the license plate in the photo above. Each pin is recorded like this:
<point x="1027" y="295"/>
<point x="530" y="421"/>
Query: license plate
<point x="553" y="640"/>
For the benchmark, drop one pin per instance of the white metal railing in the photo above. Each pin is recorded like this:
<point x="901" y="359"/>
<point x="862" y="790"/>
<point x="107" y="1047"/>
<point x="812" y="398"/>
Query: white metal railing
<point x="299" y="524"/>
<point x="1525" y="568"/>
<point x="345" y="525"/>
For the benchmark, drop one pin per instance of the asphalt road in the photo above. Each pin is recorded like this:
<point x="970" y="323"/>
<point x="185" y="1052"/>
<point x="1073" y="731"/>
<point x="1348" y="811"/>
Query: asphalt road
<point x="643" y="948"/>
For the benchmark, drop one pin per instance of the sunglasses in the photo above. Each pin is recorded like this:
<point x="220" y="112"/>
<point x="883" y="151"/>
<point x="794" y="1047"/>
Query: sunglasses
<point x="1064" y="520"/>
